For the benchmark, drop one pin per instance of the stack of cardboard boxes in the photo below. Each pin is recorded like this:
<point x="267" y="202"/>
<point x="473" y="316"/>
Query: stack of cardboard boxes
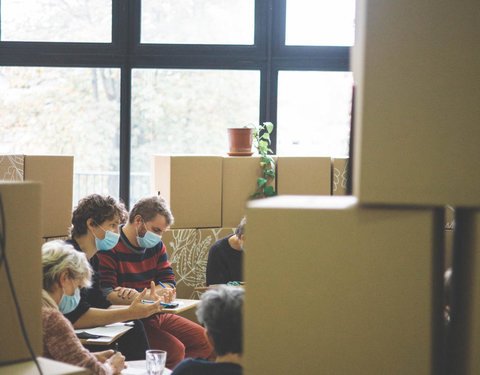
<point x="355" y="284"/>
<point x="208" y="195"/>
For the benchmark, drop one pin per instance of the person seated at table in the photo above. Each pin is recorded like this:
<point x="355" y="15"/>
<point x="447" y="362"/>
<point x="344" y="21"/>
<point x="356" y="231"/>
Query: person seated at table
<point x="225" y="258"/>
<point x="95" y="226"/>
<point x="140" y="260"/>
<point x="220" y="312"/>
<point x="64" y="272"/>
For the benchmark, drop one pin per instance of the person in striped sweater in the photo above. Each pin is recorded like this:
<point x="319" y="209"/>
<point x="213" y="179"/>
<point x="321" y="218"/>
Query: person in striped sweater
<point x="139" y="261"/>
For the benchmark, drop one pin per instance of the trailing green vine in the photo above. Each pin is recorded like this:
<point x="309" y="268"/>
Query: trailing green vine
<point x="261" y="140"/>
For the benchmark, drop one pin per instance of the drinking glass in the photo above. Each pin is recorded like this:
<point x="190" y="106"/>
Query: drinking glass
<point x="155" y="361"/>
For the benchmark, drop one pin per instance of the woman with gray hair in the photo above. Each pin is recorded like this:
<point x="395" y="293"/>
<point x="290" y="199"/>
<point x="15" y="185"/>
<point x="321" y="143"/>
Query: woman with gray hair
<point x="65" y="270"/>
<point x="220" y="312"/>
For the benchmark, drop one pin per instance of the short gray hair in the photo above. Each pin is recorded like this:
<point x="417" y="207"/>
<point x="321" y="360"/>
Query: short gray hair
<point x="220" y="311"/>
<point x="58" y="256"/>
<point x="148" y="208"/>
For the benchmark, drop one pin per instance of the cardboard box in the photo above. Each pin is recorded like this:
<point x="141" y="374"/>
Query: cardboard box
<point x="339" y="176"/>
<point x="188" y="253"/>
<point x="240" y="174"/>
<point x="303" y="175"/>
<point x="192" y="185"/>
<point x="22" y="203"/>
<point x="416" y="111"/>
<point x="48" y="366"/>
<point x="335" y="288"/>
<point x="56" y="175"/>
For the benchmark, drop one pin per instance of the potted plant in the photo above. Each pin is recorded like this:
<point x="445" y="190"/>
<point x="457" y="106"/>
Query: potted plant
<point x="240" y="141"/>
<point x="261" y="141"/>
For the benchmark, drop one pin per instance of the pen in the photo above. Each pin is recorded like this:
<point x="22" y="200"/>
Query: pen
<point x="161" y="303"/>
<point x="115" y="349"/>
<point x="163" y="286"/>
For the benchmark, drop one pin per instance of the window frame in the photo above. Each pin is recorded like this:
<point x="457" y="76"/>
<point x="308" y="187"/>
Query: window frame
<point x="268" y="54"/>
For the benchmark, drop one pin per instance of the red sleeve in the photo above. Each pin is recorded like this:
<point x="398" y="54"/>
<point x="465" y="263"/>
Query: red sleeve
<point x="164" y="271"/>
<point x="107" y="270"/>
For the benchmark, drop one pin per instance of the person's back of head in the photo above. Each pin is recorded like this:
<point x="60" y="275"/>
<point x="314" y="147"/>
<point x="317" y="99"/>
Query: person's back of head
<point x="220" y="311"/>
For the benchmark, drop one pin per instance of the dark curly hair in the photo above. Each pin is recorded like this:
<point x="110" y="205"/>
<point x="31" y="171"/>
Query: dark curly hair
<point x="97" y="207"/>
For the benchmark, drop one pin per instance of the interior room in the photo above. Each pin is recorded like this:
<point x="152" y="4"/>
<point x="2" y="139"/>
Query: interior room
<point x="331" y="146"/>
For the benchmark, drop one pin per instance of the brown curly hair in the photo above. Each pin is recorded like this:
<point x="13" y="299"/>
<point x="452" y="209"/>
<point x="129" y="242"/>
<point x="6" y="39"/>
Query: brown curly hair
<point x="97" y="207"/>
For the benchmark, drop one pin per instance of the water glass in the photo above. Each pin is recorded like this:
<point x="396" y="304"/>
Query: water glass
<point x="155" y="361"/>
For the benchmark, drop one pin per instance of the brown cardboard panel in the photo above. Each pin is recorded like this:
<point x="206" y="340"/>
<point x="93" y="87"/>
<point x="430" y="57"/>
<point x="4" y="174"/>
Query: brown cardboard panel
<point x="240" y="174"/>
<point x="336" y="288"/>
<point x="448" y="248"/>
<point x="56" y="175"/>
<point x="192" y="185"/>
<point x="339" y="176"/>
<point x="188" y="253"/>
<point x="303" y="175"/>
<point x="22" y="208"/>
<point x="416" y="112"/>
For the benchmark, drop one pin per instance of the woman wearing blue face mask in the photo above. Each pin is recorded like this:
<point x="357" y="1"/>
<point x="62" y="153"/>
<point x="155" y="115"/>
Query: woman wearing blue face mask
<point x="65" y="270"/>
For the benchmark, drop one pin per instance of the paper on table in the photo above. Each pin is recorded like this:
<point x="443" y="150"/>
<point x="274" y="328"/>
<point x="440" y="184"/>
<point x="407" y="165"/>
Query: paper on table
<point x="139" y="368"/>
<point x="107" y="332"/>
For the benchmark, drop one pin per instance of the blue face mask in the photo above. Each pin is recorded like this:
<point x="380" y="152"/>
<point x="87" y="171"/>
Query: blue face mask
<point x="109" y="242"/>
<point x="69" y="303"/>
<point x="149" y="240"/>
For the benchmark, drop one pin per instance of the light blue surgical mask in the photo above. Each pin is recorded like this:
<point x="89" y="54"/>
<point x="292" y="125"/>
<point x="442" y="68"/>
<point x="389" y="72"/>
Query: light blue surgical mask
<point x="109" y="242"/>
<point x="69" y="303"/>
<point x="149" y="240"/>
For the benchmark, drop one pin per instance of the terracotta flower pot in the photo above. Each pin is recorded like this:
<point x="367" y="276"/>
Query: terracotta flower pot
<point x="240" y="141"/>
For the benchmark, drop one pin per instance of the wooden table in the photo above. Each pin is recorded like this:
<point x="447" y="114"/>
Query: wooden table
<point x="183" y="304"/>
<point x="48" y="366"/>
<point x="115" y="331"/>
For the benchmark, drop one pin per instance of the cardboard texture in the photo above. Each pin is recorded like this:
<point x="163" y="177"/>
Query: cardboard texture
<point x="416" y="113"/>
<point x="192" y="185"/>
<point x="48" y="366"/>
<point x="22" y="209"/>
<point x="56" y="175"/>
<point x="339" y="176"/>
<point x="303" y="175"/>
<point x="188" y="253"/>
<point x="240" y="174"/>
<point x="347" y="290"/>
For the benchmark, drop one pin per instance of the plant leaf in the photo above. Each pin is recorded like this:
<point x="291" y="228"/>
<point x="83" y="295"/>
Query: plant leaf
<point x="261" y="181"/>
<point x="255" y="195"/>
<point x="266" y="136"/>
<point x="269" y="126"/>
<point x="270" y="172"/>
<point x="268" y="191"/>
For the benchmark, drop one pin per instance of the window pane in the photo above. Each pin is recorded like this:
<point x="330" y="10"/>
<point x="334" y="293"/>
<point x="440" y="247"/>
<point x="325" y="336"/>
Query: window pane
<point x="56" y="21"/>
<point x="186" y="112"/>
<point x="198" y="22"/>
<point x="320" y="22"/>
<point x="314" y="113"/>
<point x="65" y="111"/>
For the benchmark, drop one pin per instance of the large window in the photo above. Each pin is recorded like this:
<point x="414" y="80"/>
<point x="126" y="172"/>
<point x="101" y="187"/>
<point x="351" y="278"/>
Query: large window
<point x="115" y="82"/>
<point x="65" y="111"/>
<point x="56" y="21"/>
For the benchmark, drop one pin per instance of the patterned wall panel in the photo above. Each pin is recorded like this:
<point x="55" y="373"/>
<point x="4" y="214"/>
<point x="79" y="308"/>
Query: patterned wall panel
<point x="11" y="167"/>
<point x="188" y="252"/>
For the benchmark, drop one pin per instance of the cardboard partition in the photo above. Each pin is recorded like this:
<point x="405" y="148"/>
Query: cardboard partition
<point x="188" y="253"/>
<point x="22" y="207"/>
<point x="192" y="185"/>
<point x="240" y="174"/>
<point x="56" y="175"/>
<point x="416" y="123"/>
<point x="303" y="175"/>
<point x="344" y="290"/>
<point x="339" y="176"/>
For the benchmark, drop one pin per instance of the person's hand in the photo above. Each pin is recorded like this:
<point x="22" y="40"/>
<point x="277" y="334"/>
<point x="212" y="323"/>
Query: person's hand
<point x="125" y="293"/>
<point x="168" y="294"/>
<point x="104" y="355"/>
<point x="152" y="294"/>
<point x="140" y="310"/>
<point x="116" y="362"/>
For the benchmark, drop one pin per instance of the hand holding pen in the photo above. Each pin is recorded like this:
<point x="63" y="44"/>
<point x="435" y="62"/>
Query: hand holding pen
<point x="168" y="293"/>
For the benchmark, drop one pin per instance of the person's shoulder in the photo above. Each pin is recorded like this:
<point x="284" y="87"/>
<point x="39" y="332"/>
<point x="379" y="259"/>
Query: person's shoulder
<point x="221" y="243"/>
<point x="191" y="366"/>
